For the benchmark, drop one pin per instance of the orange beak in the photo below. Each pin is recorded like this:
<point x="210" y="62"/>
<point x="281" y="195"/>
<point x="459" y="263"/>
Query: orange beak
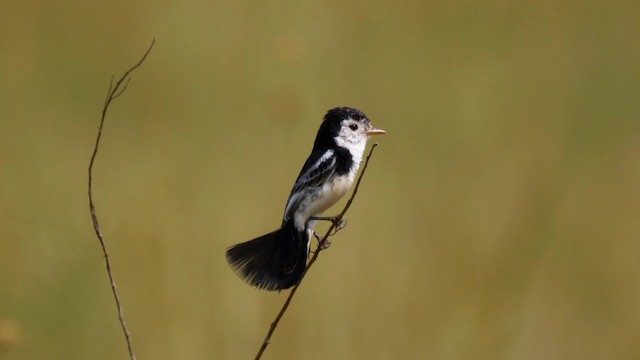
<point x="374" y="131"/>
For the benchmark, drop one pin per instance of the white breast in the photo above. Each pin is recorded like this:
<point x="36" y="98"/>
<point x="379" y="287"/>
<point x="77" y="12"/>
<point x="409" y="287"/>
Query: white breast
<point x="321" y="199"/>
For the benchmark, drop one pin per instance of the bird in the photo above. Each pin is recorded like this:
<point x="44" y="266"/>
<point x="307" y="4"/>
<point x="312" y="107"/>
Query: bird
<point x="277" y="260"/>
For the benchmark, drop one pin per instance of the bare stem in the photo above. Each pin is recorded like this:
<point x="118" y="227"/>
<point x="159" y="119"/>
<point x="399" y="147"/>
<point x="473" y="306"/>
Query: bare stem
<point x="334" y="224"/>
<point x="112" y="94"/>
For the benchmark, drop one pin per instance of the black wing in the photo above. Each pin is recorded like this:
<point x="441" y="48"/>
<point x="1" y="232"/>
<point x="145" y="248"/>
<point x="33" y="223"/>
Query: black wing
<point x="316" y="171"/>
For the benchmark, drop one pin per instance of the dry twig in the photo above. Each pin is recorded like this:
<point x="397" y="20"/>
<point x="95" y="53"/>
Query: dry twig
<point x="113" y="93"/>
<point x="335" y="223"/>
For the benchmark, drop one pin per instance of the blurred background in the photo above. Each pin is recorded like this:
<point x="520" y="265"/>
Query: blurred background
<point x="499" y="217"/>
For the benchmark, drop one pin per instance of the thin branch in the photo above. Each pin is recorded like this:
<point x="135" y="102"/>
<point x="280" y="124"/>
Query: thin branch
<point x="112" y="94"/>
<point x="321" y="246"/>
<point x="124" y="87"/>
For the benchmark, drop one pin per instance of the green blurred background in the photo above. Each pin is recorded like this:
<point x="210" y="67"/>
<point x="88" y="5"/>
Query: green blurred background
<point x="499" y="218"/>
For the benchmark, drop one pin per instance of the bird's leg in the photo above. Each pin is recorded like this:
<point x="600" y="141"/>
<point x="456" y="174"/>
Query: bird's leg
<point x="325" y="218"/>
<point x="339" y="222"/>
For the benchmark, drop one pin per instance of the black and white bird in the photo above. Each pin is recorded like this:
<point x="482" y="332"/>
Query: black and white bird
<point x="277" y="260"/>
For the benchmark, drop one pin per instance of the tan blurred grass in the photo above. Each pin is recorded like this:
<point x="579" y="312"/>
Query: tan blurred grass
<point x="499" y="218"/>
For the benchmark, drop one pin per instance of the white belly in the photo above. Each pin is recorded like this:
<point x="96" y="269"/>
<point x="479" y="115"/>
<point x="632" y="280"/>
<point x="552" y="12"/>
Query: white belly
<point x="322" y="199"/>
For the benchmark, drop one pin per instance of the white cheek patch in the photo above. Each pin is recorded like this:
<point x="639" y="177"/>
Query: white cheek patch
<point x="347" y="136"/>
<point x="354" y="141"/>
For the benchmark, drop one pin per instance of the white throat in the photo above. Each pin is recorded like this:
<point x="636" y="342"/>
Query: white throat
<point x="353" y="141"/>
<point x="356" y="148"/>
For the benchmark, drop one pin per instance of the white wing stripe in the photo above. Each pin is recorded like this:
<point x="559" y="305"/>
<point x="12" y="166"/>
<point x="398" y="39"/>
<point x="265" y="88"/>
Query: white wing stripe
<point x="322" y="159"/>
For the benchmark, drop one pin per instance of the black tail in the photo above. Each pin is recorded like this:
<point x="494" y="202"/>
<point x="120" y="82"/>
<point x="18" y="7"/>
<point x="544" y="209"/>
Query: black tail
<point x="275" y="261"/>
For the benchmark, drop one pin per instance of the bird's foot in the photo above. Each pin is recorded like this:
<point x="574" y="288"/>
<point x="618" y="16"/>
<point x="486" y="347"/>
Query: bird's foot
<point x="340" y="223"/>
<point x="322" y="245"/>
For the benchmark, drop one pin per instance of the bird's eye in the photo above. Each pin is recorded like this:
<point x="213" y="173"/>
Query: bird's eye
<point x="353" y="127"/>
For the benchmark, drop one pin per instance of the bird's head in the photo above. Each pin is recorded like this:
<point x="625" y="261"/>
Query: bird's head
<point x="346" y="127"/>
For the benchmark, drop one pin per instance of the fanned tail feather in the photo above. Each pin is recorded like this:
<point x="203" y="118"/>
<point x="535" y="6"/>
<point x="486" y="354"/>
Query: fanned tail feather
<point x="275" y="261"/>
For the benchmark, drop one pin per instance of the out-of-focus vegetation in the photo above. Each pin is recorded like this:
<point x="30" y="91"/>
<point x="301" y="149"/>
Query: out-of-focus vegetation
<point x="499" y="218"/>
